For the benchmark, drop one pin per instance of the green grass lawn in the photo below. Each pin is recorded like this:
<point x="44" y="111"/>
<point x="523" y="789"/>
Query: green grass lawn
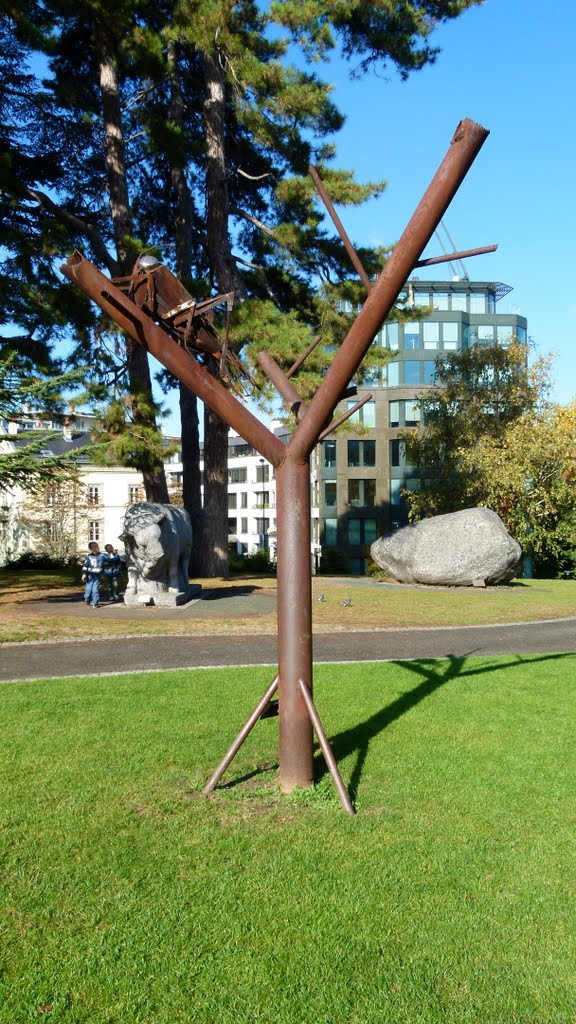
<point x="127" y="897"/>
<point x="38" y="606"/>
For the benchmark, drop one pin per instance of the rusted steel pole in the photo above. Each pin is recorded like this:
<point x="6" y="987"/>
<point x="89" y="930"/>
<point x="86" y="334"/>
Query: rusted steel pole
<point x="303" y="356"/>
<point x="282" y="384"/>
<point x="244" y="732"/>
<point x="345" y="416"/>
<point x="354" y="257"/>
<point x="464" y="147"/>
<point x="465" y="254"/>
<point x="326" y="748"/>
<point x="138" y="325"/>
<point x="294" y="587"/>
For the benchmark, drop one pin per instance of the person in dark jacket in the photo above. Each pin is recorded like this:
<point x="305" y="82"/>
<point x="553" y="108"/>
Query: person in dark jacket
<point x="112" y="569"/>
<point x="92" y="574"/>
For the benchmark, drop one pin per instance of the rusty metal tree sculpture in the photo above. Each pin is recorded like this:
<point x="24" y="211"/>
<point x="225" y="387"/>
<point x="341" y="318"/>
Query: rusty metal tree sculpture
<point x="297" y="714"/>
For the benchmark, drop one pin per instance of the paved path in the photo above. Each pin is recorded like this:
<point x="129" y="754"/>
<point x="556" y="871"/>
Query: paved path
<point x="148" y="653"/>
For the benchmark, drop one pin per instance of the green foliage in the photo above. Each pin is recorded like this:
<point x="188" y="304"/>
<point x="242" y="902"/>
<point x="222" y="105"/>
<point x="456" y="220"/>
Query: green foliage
<point x="258" y="563"/>
<point x="333" y="563"/>
<point x="491" y="437"/>
<point x="36" y="561"/>
<point x="479" y="393"/>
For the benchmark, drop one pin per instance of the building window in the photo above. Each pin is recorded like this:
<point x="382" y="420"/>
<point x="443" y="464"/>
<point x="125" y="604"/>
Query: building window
<point x="361" y="493"/>
<point x="330" y="454"/>
<point x="392" y="336"/>
<point x="485" y="333"/>
<point x="390" y="374"/>
<point x="330" y="533"/>
<point x="440" y="300"/>
<point x="428" y="371"/>
<point x="133" y="493"/>
<point x="459" y="301"/>
<point x="398" y="456"/>
<point x="262" y="499"/>
<point x="262" y="525"/>
<point x="365" y="416"/>
<point x="48" y="531"/>
<point x="231" y="526"/>
<point x="243" y="525"/>
<point x="94" y="527"/>
<point x="431" y="334"/>
<point x="362" y="453"/>
<point x="421" y="298"/>
<point x="94" y="494"/>
<point x="477" y="302"/>
<point x="411" y="335"/>
<point x="412" y="373"/>
<point x="232" y="501"/>
<point x="393" y="414"/>
<point x="237" y="475"/>
<point x="262" y="474"/>
<point x="411" y="413"/>
<point x="395" y="488"/>
<point x="361" y="531"/>
<point x="330" y="493"/>
<point x="243" y="499"/>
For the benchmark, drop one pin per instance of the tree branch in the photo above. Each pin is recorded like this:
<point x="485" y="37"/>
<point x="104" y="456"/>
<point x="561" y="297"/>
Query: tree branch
<point x="78" y="225"/>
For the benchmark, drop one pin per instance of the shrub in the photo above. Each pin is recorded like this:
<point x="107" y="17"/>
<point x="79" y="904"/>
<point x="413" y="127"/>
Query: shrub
<point x="333" y="563"/>
<point x="258" y="563"/>
<point x="31" y="560"/>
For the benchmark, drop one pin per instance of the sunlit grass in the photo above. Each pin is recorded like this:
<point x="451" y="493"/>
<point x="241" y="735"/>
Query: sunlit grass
<point x="372" y="607"/>
<point x="128" y="898"/>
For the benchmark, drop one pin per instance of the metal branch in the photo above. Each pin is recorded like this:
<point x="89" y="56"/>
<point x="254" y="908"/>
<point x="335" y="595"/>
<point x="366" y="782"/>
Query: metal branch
<point x="344" y="417"/>
<point x="455" y="256"/>
<point x="280" y="381"/>
<point x="464" y="147"/>
<point x="340" y="228"/>
<point x="244" y="732"/>
<point x="139" y="326"/>
<point x="298" y="363"/>
<point x="326" y="748"/>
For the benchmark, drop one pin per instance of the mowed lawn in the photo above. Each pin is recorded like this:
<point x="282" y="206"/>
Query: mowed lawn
<point x="48" y="606"/>
<point x="128" y="897"/>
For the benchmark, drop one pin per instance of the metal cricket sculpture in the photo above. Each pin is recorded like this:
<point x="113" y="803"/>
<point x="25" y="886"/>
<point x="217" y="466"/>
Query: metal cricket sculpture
<point x="154" y="309"/>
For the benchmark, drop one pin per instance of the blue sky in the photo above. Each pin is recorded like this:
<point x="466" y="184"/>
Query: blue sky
<point x="508" y="65"/>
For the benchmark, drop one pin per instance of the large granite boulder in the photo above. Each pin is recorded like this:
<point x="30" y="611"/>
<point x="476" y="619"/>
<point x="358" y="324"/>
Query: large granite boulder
<point x="157" y="541"/>
<point x="462" y="549"/>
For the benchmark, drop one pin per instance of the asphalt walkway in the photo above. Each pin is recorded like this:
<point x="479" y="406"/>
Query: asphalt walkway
<point x="41" y="660"/>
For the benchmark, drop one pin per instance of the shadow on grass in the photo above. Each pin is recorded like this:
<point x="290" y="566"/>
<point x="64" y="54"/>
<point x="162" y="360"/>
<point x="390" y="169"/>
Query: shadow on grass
<point x="434" y="673"/>
<point x="220" y="593"/>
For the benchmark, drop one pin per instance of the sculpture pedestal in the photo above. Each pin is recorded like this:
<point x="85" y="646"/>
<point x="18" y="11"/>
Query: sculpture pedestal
<point x="150" y="593"/>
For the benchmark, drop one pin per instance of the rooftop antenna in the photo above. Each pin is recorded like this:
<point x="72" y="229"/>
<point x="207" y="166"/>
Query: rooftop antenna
<point x="457" y="269"/>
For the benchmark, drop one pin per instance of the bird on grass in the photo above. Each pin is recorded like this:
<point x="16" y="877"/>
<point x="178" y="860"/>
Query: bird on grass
<point x="346" y="602"/>
<point x="321" y="597"/>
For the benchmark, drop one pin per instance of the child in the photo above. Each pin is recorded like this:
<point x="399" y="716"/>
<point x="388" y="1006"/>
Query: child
<point x="112" y="569"/>
<point x="91" y="573"/>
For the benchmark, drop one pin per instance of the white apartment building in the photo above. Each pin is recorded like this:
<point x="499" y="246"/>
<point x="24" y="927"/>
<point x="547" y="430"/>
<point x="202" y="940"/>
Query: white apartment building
<point x="65" y="523"/>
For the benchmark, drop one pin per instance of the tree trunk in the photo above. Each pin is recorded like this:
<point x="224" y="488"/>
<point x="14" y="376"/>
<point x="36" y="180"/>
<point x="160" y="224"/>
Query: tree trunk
<point x="191" y="477"/>
<point x="138" y="367"/>
<point x="215" y="539"/>
<point x="190" y="433"/>
<point x="223" y="268"/>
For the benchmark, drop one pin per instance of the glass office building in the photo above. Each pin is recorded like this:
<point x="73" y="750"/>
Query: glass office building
<point x="358" y="474"/>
